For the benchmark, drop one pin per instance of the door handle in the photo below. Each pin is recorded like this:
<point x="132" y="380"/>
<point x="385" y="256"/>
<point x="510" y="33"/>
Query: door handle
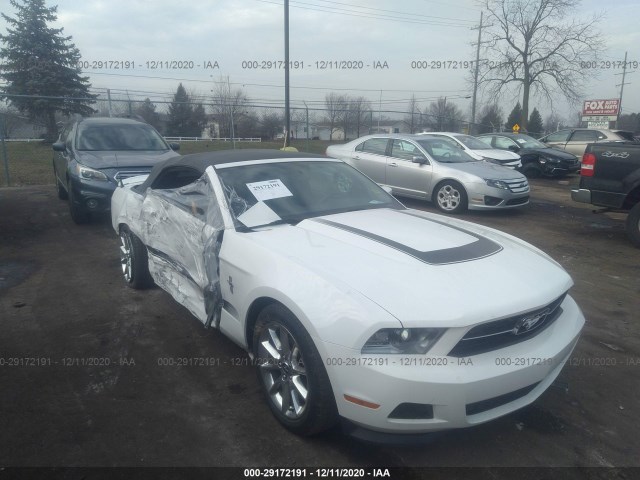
<point x="393" y="164"/>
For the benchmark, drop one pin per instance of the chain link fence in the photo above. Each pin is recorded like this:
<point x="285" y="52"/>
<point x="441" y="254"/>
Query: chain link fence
<point x="208" y="125"/>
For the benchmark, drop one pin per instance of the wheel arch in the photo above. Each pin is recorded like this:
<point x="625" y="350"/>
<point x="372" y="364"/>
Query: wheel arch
<point x="253" y="312"/>
<point x="633" y="197"/>
<point x="447" y="179"/>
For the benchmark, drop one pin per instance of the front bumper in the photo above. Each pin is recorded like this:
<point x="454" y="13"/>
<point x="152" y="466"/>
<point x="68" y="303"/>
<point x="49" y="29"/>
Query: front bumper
<point x="461" y="391"/>
<point x="552" y="169"/>
<point x="483" y="197"/>
<point x="92" y="195"/>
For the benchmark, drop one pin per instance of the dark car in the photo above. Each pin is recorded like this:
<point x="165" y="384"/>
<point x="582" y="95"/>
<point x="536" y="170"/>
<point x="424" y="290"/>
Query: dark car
<point x="537" y="159"/>
<point x="93" y="154"/>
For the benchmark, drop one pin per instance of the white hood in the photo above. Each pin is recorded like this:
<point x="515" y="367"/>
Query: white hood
<point x="496" y="154"/>
<point x="422" y="268"/>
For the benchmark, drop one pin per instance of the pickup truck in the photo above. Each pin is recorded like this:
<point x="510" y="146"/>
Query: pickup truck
<point x="610" y="178"/>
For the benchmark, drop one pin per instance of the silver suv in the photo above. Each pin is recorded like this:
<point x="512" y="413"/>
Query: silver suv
<point x="575" y="140"/>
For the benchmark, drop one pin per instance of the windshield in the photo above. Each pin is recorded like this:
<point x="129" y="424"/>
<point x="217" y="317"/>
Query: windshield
<point x="445" y="150"/>
<point x="289" y="192"/>
<point x="525" y="141"/>
<point x="119" y="137"/>
<point x="472" y="142"/>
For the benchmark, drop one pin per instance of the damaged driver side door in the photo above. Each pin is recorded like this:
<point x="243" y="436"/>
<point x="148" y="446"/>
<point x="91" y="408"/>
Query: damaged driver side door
<point x="182" y="227"/>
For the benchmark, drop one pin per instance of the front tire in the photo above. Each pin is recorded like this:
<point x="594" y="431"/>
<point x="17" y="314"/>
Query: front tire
<point x="532" y="170"/>
<point x="633" y="225"/>
<point x="78" y="215"/>
<point x="451" y="197"/>
<point x="134" y="260"/>
<point x="291" y="373"/>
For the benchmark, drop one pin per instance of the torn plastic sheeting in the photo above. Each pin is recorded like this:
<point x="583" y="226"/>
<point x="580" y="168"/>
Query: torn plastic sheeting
<point x="185" y="224"/>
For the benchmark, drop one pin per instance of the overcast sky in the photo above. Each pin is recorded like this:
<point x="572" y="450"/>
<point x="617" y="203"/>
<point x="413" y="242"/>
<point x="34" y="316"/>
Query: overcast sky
<point x="231" y="32"/>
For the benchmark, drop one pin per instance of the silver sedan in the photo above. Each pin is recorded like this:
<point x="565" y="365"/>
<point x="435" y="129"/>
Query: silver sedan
<point x="434" y="169"/>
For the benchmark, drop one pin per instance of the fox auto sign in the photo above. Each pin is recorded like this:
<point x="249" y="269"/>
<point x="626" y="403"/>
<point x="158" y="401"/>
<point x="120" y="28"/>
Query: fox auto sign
<point x="600" y="107"/>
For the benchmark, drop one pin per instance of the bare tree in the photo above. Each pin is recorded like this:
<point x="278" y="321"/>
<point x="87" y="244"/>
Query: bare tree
<point x="537" y="47"/>
<point x="553" y="122"/>
<point x="271" y="123"/>
<point x="413" y="114"/>
<point x="336" y="107"/>
<point x="359" y="110"/>
<point x="228" y="105"/>
<point x="444" y="116"/>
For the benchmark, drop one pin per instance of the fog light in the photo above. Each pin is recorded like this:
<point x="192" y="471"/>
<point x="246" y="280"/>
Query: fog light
<point x="92" y="203"/>
<point x="491" y="201"/>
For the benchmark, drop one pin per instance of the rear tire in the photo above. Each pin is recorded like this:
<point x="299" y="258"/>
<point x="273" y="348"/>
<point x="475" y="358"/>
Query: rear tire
<point x="291" y="373"/>
<point x="134" y="260"/>
<point x="633" y="225"/>
<point x="450" y="197"/>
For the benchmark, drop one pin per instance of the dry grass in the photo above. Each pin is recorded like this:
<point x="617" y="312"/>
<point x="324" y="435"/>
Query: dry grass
<point x="30" y="163"/>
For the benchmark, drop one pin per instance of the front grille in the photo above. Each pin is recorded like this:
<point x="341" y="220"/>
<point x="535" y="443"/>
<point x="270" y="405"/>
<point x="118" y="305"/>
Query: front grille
<point x="517" y="185"/>
<point x="130" y="173"/>
<point x="495" y="402"/>
<point x="518" y="201"/>
<point x="498" y="334"/>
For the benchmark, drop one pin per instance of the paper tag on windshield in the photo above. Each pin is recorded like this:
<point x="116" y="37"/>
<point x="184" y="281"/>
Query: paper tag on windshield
<point x="269" y="189"/>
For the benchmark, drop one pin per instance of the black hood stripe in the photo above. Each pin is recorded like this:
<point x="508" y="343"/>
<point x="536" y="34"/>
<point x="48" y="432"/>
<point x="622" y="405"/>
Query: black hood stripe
<point x="482" y="247"/>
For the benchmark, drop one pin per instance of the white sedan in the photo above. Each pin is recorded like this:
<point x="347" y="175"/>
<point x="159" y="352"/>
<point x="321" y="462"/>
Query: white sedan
<point x="352" y="306"/>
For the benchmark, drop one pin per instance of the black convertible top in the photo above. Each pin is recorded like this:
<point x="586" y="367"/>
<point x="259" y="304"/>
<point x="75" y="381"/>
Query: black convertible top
<point x="200" y="161"/>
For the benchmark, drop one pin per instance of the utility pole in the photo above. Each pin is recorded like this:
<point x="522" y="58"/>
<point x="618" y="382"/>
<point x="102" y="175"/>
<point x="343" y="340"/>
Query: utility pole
<point x="624" y="74"/>
<point x="287" y="117"/>
<point x="475" y="80"/>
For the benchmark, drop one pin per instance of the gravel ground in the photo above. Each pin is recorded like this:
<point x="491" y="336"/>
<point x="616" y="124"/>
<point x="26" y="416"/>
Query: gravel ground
<point x="91" y="389"/>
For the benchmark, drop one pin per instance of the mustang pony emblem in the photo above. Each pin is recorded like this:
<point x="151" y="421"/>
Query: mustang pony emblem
<point x="527" y="324"/>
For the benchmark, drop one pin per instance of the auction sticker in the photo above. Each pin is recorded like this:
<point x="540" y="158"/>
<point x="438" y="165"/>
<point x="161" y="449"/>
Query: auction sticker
<point x="269" y="189"/>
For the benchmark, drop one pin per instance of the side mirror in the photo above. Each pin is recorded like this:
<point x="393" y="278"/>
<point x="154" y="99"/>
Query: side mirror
<point x="513" y="148"/>
<point x="174" y="146"/>
<point x="387" y="189"/>
<point x="418" y="159"/>
<point x="58" y="147"/>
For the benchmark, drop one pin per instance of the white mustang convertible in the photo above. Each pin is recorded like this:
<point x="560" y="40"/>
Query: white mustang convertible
<point x="353" y="307"/>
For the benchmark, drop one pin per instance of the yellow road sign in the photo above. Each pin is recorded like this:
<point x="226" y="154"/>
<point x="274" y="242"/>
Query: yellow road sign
<point x="516" y="128"/>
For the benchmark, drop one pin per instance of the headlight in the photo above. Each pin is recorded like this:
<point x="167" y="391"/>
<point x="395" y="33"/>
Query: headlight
<point x="544" y="159"/>
<point x="91" y="174"/>
<point x="402" y="340"/>
<point x="497" y="184"/>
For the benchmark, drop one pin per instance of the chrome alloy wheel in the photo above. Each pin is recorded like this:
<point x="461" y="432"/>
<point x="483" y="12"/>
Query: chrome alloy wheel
<point x="449" y="198"/>
<point x="282" y="370"/>
<point x="126" y="253"/>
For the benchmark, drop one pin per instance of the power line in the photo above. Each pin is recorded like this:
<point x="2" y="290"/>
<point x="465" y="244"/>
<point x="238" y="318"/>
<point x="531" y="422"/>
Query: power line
<point x="335" y="10"/>
<point x="277" y="86"/>
<point x="393" y="11"/>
